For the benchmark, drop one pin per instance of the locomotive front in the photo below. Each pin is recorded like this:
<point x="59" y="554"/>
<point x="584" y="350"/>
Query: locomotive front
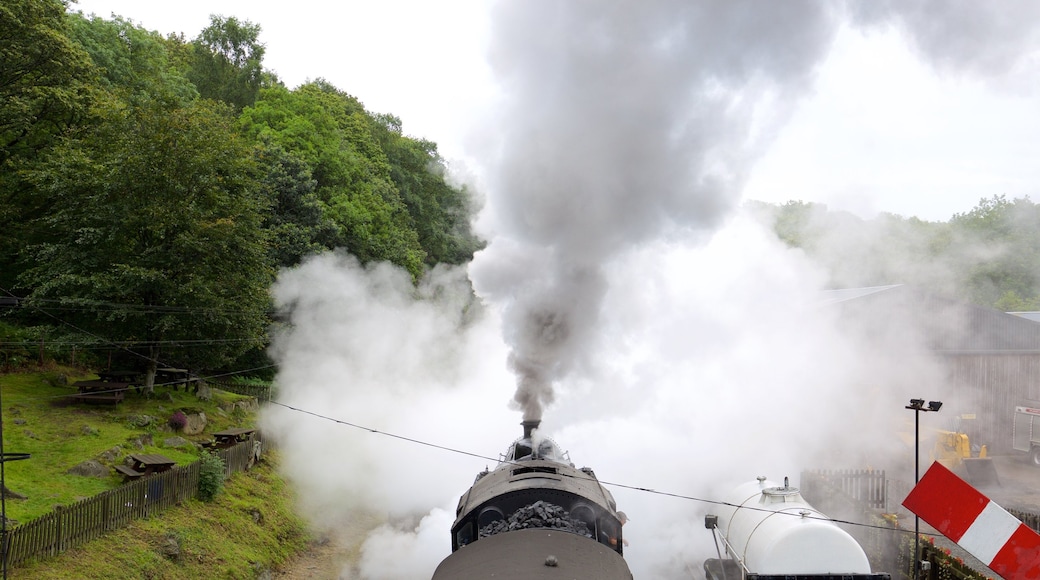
<point x="536" y="516"/>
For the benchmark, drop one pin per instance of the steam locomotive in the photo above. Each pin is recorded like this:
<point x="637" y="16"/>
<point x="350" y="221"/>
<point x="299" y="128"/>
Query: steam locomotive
<point x="536" y="516"/>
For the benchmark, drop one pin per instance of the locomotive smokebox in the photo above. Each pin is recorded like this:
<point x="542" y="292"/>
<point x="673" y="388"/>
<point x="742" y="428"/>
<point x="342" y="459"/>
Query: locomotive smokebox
<point x="529" y="426"/>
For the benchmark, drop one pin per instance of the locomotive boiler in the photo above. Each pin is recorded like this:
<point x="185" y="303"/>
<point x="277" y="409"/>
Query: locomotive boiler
<point x="536" y="516"/>
<point x="771" y="533"/>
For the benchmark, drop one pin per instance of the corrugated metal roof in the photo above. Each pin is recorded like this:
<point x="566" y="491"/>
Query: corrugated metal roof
<point x="945" y="325"/>
<point x="843" y="294"/>
<point x="1034" y="316"/>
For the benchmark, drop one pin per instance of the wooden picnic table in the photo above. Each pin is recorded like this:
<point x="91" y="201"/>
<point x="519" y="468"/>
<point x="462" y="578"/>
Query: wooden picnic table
<point x="176" y="378"/>
<point x="100" y="391"/>
<point x="229" y="437"/>
<point x="121" y="376"/>
<point x="145" y="464"/>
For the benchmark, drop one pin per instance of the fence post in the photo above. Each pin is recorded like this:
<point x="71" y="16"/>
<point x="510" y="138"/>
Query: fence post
<point x="58" y="531"/>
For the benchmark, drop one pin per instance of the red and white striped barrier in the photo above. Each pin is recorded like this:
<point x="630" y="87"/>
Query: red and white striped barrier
<point x="983" y="528"/>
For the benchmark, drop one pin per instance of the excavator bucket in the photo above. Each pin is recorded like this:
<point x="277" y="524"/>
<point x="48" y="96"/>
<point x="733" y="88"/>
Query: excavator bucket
<point x="980" y="471"/>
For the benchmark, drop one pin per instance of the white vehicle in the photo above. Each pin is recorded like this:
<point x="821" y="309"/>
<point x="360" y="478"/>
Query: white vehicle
<point x="771" y="533"/>
<point x="1026" y="432"/>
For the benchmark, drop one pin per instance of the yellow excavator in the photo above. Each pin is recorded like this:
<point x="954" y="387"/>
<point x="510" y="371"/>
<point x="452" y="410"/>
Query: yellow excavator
<point x="953" y="449"/>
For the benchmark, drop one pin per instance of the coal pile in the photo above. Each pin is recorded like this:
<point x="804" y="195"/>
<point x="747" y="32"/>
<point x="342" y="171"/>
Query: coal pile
<point x="540" y="514"/>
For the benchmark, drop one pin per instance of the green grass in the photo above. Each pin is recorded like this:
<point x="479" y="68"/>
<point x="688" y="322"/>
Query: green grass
<point x="38" y="420"/>
<point x="250" y="527"/>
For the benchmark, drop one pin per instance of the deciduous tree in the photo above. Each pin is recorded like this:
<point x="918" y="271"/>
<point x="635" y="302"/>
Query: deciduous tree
<point x="156" y="234"/>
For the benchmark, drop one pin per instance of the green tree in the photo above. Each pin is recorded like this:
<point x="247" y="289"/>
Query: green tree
<point x="46" y="86"/>
<point x="227" y="63"/>
<point x="45" y="78"/>
<point x="155" y="234"/>
<point x="1005" y="237"/>
<point x="332" y="133"/>
<point x="134" y="63"/>
<point x="440" y="213"/>
<point x="295" y="223"/>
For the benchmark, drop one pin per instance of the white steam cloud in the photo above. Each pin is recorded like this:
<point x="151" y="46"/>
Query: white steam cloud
<point x="624" y="123"/>
<point x="666" y="341"/>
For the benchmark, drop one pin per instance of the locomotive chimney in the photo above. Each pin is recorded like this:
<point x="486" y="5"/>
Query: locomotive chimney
<point x="529" y="426"/>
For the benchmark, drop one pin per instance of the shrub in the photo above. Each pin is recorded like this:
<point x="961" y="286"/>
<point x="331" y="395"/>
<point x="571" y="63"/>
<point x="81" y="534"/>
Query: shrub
<point x="211" y="476"/>
<point x="177" y="421"/>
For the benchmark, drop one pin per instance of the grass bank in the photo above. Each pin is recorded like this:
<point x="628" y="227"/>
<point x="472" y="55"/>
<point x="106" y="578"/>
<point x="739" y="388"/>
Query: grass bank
<point x="248" y="529"/>
<point x="39" y="419"/>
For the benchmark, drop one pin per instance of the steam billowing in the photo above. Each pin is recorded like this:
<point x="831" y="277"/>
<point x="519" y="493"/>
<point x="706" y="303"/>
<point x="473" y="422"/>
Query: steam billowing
<point x="678" y="346"/>
<point x="624" y="122"/>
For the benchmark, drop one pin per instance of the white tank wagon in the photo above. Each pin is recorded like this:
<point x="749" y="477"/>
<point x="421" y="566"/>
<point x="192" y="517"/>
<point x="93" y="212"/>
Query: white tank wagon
<point x="771" y="533"/>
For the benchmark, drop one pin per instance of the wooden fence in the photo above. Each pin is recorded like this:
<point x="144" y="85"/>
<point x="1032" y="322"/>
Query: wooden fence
<point x="859" y="496"/>
<point x="865" y="486"/>
<point x="262" y="393"/>
<point x="70" y="526"/>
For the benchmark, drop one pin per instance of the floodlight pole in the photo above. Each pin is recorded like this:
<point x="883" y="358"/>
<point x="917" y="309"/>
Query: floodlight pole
<point x="917" y="405"/>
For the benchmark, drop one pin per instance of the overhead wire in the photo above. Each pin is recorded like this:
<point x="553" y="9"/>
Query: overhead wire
<point x="452" y="449"/>
<point x="608" y="483"/>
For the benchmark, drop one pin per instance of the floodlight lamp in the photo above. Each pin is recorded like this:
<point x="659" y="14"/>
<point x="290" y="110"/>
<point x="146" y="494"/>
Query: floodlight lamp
<point x="916" y="404"/>
<point x="934" y="405"/>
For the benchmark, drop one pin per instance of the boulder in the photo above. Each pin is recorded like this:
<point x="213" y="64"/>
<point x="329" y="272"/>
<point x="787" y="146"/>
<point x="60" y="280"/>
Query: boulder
<point x="171" y="547"/>
<point x="204" y="392"/>
<point x="110" y="455"/>
<point x="178" y="442"/>
<point x="141" y="420"/>
<point x="89" y="468"/>
<point x="141" y="441"/>
<point x="196" y="424"/>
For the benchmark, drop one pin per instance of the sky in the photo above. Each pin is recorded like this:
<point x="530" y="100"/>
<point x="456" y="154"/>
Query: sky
<point x="879" y="130"/>
<point x="665" y="339"/>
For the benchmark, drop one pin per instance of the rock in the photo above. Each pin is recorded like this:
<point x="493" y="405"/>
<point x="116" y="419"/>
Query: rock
<point x="89" y="468"/>
<point x="167" y="396"/>
<point x="178" y="442"/>
<point x="58" y="380"/>
<point x="258" y="518"/>
<point x="195" y="424"/>
<point x="141" y="420"/>
<point x="30" y="434"/>
<point x="88" y="430"/>
<point x="204" y="392"/>
<point x="249" y="405"/>
<point x="171" y="547"/>
<point x="110" y="455"/>
<point x="19" y="421"/>
<point x="141" y="441"/>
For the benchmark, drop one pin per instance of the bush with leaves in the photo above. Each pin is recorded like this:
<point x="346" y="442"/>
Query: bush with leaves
<point x="211" y="476"/>
<point x="177" y="421"/>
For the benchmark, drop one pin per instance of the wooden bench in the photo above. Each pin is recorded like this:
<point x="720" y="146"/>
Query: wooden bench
<point x="113" y="398"/>
<point x="129" y="473"/>
<point x="100" y="392"/>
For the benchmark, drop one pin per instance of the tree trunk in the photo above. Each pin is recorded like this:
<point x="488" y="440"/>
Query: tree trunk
<point x="149" y="373"/>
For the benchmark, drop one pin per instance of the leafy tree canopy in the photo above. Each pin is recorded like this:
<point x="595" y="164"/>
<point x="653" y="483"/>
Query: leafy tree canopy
<point x="134" y="63"/>
<point x="227" y="61"/>
<point x="989" y="255"/>
<point x="44" y="76"/>
<point x="155" y="232"/>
